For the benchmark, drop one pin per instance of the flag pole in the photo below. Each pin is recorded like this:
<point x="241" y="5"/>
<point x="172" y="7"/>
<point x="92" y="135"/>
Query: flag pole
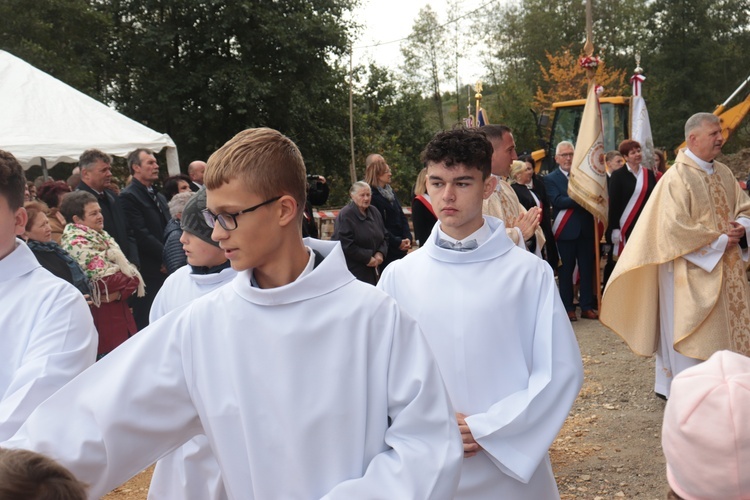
<point x="478" y="97"/>
<point x="588" y="50"/>
<point x="352" y="166"/>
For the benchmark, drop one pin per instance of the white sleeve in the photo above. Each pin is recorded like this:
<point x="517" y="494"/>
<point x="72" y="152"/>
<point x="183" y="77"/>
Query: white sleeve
<point x="708" y="256"/>
<point x="515" y="234"/>
<point x="746" y="224"/>
<point x="426" y="452"/>
<point x="517" y="431"/>
<point x="61" y="344"/>
<point x="122" y="414"/>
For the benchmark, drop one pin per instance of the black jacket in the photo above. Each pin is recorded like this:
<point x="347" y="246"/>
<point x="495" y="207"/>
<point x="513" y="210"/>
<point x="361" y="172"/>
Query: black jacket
<point x="396" y="223"/>
<point x="146" y="219"/>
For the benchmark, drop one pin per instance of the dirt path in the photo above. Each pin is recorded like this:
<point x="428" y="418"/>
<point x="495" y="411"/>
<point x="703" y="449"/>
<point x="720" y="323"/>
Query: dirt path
<point x="610" y="446"/>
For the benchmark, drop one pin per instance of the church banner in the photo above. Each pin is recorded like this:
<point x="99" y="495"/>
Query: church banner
<point x="640" y="126"/>
<point x="588" y="177"/>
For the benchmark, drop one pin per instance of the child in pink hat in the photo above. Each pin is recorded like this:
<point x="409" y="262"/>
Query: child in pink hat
<point x="706" y="432"/>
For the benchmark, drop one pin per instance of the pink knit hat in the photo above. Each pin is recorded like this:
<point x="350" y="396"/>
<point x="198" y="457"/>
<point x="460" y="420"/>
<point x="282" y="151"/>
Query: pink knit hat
<point x="706" y="432"/>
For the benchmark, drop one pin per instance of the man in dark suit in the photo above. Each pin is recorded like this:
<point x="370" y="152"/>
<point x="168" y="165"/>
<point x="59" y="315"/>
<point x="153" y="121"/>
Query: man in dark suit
<point x="574" y="231"/>
<point x="195" y="171"/>
<point x="147" y="214"/>
<point x="96" y="172"/>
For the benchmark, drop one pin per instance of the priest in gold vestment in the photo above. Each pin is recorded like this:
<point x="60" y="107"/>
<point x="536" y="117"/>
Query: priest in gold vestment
<point x="679" y="289"/>
<point x="521" y="226"/>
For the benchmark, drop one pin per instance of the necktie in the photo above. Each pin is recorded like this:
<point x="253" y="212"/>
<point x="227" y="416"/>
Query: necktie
<point x="152" y="194"/>
<point x="458" y="246"/>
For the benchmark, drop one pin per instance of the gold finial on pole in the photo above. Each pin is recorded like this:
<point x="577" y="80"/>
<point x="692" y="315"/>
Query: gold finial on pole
<point x="478" y="97"/>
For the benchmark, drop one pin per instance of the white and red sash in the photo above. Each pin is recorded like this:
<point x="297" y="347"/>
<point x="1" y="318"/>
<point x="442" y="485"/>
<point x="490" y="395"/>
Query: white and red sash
<point x="627" y="219"/>
<point x="427" y="203"/>
<point x="560" y="220"/>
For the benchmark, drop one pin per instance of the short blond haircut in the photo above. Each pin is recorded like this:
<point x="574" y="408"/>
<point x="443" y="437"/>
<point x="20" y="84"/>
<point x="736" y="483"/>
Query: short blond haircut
<point x="265" y="160"/>
<point x="374" y="170"/>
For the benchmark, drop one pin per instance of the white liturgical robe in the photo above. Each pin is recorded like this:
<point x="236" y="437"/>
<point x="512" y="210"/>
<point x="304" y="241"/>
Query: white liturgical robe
<point x="508" y="355"/>
<point x="321" y="388"/>
<point x="47" y="336"/>
<point x="191" y="471"/>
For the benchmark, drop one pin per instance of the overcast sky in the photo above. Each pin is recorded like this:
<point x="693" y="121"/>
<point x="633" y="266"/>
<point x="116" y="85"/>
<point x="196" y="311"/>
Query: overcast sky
<point x="390" y="20"/>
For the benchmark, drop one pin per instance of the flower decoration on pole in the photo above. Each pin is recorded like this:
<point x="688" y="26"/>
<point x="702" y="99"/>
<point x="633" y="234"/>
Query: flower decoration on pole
<point x="589" y="62"/>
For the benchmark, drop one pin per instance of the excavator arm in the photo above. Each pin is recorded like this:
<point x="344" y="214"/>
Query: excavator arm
<point x="730" y="118"/>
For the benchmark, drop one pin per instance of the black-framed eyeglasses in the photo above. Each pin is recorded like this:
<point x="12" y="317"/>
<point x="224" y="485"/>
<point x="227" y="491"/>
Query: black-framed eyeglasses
<point x="229" y="221"/>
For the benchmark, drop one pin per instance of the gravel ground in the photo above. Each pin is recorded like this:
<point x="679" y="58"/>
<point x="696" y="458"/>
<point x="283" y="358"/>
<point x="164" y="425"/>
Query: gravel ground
<point x="610" y="445"/>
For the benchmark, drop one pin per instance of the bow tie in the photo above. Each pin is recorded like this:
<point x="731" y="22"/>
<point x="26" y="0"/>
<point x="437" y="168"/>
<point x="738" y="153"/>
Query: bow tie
<point x="458" y="246"/>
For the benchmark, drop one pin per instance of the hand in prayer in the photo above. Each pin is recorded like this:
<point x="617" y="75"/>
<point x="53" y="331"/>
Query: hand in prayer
<point x="735" y="232"/>
<point x="471" y="447"/>
<point x="405" y="244"/>
<point x="528" y="222"/>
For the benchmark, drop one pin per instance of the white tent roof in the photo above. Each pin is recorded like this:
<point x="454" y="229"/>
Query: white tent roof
<point x="43" y="117"/>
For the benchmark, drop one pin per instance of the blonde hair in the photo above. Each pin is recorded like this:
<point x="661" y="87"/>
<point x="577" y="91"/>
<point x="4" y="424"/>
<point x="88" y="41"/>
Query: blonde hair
<point x="420" y="185"/>
<point x="265" y="160"/>
<point x="516" y="168"/>
<point x="375" y="170"/>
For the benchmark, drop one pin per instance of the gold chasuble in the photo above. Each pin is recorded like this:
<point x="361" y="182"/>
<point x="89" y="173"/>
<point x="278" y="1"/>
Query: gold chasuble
<point x="688" y="210"/>
<point x="505" y="206"/>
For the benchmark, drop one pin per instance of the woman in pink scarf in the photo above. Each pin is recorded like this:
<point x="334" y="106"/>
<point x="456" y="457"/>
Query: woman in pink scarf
<point x="113" y="278"/>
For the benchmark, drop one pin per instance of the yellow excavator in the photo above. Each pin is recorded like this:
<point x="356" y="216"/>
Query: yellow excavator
<point x="616" y="123"/>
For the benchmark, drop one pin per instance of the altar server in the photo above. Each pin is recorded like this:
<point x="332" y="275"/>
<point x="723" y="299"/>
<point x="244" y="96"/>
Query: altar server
<point x="191" y="472"/>
<point x="47" y="335"/>
<point x="495" y="322"/>
<point x="306" y="382"/>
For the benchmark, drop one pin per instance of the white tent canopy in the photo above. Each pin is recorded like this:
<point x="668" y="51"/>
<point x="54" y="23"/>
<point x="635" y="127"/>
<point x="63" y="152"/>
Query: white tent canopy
<point x="43" y="118"/>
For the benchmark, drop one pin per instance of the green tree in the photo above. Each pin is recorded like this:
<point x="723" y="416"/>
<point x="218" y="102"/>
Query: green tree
<point x="65" y="38"/>
<point x="203" y="70"/>
<point x="390" y="120"/>
<point x="697" y="56"/>
<point x="423" y="52"/>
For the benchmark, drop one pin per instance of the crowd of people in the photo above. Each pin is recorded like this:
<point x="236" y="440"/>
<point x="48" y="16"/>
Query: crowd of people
<point x="276" y="363"/>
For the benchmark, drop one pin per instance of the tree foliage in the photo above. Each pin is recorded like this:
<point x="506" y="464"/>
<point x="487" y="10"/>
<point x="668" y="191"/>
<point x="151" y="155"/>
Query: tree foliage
<point x="62" y="37"/>
<point x="390" y="120"/>
<point x="697" y="57"/>
<point x="566" y="80"/>
<point x="423" y="52"/>
<point x="204" y="70"/>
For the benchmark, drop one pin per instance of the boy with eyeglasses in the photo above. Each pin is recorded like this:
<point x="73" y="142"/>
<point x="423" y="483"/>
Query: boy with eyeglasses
<point x="306" y="382"/>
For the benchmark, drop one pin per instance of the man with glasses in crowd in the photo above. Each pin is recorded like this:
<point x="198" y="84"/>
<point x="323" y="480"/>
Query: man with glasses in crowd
<point x="573" y="228"/>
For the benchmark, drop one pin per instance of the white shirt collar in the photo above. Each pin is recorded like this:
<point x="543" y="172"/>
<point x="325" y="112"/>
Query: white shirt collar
<point x="640" y="167"/>
<point x="481" y="235"/>
<point x="707" y="167"/>
<point x="566" y="174"/>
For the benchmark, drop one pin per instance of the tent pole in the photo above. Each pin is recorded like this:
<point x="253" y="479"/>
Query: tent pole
<point x="45" y="172"/>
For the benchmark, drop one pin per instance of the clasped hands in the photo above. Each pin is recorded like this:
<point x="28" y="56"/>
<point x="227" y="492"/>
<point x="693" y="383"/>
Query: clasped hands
<point x="735" y="233"/>
<point x="528" y="222"/>
<point x="375" y="260"/>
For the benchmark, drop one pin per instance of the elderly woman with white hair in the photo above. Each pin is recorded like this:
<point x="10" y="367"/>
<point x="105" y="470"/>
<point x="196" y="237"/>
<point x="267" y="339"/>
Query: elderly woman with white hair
<point x="173" y="255"/>
<point x="360" y="229"/>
